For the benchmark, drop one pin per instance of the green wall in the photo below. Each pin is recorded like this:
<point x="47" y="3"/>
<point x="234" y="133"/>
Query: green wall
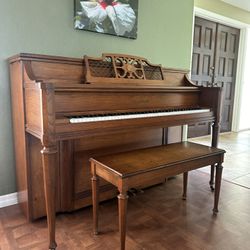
<point x="224" y="9"/>
<point x="46" y="27"/>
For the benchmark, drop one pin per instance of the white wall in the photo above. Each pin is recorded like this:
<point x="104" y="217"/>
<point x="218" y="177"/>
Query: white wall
<point x="244" y="116"/>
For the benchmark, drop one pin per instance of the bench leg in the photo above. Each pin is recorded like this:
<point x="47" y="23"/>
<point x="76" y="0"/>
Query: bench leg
<point x="95" y="200"/>
<point x="185" y="181"/>
<point x="215" y="136"/>
<point x="211" y="182"/>
<point x="122" y="203"/>
<point x="217" y="187"/>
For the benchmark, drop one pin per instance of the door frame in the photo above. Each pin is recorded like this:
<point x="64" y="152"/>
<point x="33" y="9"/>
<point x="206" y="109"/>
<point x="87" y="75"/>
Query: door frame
<point x="240" y="61"/>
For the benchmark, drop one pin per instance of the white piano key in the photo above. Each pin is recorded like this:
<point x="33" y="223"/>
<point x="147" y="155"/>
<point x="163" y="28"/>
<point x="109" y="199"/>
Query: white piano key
<point x="135" y="116"/>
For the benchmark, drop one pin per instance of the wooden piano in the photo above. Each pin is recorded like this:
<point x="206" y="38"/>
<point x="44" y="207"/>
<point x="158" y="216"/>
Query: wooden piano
<point x="66" y="110"/>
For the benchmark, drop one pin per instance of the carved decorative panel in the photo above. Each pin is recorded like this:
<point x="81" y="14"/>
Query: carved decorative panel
<point x="118" y="66"/>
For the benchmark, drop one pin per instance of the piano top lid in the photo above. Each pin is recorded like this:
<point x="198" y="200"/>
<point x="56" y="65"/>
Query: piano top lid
<point x="44" y="58"/>
<point x="111" y="71"/>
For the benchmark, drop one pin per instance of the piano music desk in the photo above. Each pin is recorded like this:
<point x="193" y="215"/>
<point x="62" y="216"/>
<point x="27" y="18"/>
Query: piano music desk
<point x="134" y="168"/>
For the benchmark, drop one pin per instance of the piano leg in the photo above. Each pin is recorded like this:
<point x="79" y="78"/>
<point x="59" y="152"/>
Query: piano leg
<point x="49" y="160"/>
<point x="219" y="169"/>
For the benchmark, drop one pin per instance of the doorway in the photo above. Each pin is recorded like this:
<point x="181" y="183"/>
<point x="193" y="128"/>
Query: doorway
<point x="214" y="63"/>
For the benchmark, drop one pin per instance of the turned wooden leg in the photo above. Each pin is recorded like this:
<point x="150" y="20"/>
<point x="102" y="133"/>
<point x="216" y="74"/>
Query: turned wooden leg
<point x="122" y="203"/>
<point x="49" y="160"/>
<point x="185" y="181"/>
<point x="95" y="200"/>
<point x="215" y="137"/>
<point x="217" y="187"/>
<point x="211" y="182"/>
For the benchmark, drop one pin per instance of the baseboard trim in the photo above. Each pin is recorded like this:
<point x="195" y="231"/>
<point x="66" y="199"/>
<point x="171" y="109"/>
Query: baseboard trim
<point x="8" y="200"/>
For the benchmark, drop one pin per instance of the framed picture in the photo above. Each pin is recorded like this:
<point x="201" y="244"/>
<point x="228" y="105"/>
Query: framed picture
<point x="114" y="17"/>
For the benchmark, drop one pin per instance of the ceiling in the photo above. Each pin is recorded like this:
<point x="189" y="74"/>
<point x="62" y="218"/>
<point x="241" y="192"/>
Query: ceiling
<point x="243" y="4"/>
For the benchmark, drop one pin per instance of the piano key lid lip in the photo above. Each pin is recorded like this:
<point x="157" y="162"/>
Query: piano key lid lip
<point x="105" y="116"/>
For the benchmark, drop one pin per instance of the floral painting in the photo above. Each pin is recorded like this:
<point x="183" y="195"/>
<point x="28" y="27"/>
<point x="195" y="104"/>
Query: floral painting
<point x="114" y="17"/>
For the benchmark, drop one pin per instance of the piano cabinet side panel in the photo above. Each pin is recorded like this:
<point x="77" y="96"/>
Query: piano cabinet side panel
<point x="211" y="97"/>
<point x="33" y="111"/>
<point x="20" y="142"/>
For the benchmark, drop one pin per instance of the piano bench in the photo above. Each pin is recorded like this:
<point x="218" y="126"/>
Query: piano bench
<point x="134" y="168"/>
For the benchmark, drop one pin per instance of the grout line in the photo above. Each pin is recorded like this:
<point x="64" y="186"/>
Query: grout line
<point x="243" y="175"/>
<point x="237" y="184"/>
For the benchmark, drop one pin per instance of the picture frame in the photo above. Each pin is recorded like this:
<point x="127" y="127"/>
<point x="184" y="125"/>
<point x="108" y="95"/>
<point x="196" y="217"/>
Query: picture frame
<point x="113" y="17"/>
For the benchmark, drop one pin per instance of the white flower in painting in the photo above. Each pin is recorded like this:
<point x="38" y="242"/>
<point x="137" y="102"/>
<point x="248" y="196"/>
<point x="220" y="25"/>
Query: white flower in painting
<point x="122" y="16"/>
<point x="93" y="11"/>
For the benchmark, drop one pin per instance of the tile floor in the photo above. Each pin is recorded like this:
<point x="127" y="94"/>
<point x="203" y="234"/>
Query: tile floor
<point x="237" y="157"/>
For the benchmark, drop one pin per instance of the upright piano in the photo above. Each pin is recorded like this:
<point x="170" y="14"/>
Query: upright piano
<point x="66" y="110"/>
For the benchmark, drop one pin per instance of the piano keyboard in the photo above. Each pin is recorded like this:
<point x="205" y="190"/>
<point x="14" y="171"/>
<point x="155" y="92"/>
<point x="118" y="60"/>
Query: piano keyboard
<point x="134" y="115"/>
